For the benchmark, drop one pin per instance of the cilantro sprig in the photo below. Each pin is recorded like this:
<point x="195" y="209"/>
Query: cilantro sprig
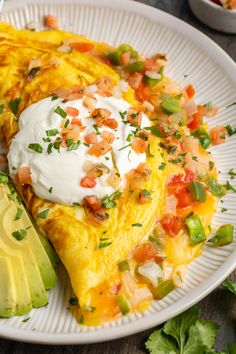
<point x="186" y="334"/>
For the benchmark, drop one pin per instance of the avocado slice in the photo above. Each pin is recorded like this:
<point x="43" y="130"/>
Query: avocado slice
<point x="32" y="270"/>
<point x="7" y="288"/>
<point x="50" y="250"/>
<point x="23" y="303"/>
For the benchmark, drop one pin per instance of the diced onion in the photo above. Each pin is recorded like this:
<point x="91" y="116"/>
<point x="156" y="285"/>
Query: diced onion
<point x="33" y="26"/>
<point x="167" y="270"/>
<point x="123" y="85"/>
<point x="149" y="106"/>
<point x="64" y="48"/>
<point x="90" y="102"/>
<point x="190" y="107"/>
<point x="152" y="271"/>
<point x="140" y="297"/>
<point x="90" y="90"/>
<point x="116" y="92"/>
<point x="128" y="282"/>
<point x="153" y="75"/>
<point x="171" y="203"/>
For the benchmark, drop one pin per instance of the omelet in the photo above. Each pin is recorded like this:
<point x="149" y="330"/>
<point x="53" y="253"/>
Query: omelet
<point x="90" y="252"/>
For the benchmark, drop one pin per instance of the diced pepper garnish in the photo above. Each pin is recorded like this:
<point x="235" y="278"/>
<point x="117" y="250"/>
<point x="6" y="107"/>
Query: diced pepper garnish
<point x="138" y="66"/>
<point x="203" y="137"/>
<point x="195" y="228"/>
<point x="134" y="116"/>
<point x="197" y="191"/>
<point x="123" y="304"/>
<point x="224" y="236"/>
<point x="171" y="224"/>
<point x="153" y="82"/>
<point x="144" y="196"/>
<point x="196" y="119"/>
<point x="218" y="135"/>
<point x="181" y="192"/>
<point x="163" y="289"/>
<point x="145" y="252"/>
<point x="123" y="266"/>
<point x="190" y="91"/>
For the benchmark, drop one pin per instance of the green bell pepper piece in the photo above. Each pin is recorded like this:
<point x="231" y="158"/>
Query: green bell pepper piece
<point x="123" y="304"/>
<point x="224" y="236"/>
<point x="195" y="228"/>
<point x="123" y="266"/>
<point x="203" y="137"/>
<point x="138" y="66"/>
<point x="170" y="105"/>
<point x="197" y="191"/>
<point x="163" y="289"/>
<point x="153" y="82"/>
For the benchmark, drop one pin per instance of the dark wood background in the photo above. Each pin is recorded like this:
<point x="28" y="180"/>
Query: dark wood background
<point x="219" y="306"/>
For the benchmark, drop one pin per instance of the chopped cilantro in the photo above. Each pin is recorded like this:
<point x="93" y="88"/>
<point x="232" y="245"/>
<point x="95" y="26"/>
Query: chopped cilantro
<point x="60" y="111"/>
<point x="194" y="158"/>
<point x="49" y="149"/>
<point x="89" y="308"/>
<point x="54" y="98"/>
<point x="32" y="73"/>
<point x="108" y="200"/>
<point x="232" y="172"/>
<point x="73" y="301"/>
<point x="137" y="225"/>
<point x="36" y="147"/>
<point x="223" y="210"/>
<point x="107" y="158"/>
<point x="231" y="286"/>
<point x="85" y="144"/>
<point x="72" y="145"/>
<point x="50" y="189"/>
<point x="230" y="130"/>
<point x="231" y="104"/>
<point x="26" y="320"/>
<point x="96" y="129"/>
<point x="211" y="165"/>
<point x="18" y="214"/>
<point x="123" y="115"/>
<point x="19" y="234"/>
<point x="67" y="122"/>
<point x="52" y="132"/>
<point x="103" y="245"/>
<point x="124" y="147"/>
<point x="162" y="166"/>
<point x="43" y="214"/>
<point x="229" y="187"/>
<point x="208" y="105"/>
<point x="47" y="140"/>
<point x="155" y="131"/>
<point x="14" y="105"/>
<point x="57" y="145"/>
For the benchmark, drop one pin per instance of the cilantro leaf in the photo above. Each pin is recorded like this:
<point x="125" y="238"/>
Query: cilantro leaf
<point x="159" y="344"/>
<point x="155" y="131"/>
<point x="14" y="105"/>
<point x="230" y="285"/>
<point x="178" y="327"/>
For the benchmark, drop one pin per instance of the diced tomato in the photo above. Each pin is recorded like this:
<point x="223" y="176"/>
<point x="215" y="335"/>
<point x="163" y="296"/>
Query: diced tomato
<point x="146" y="252"/>
<point x="88" y="182"/>
<point x="78" y="89"/>
<point x="71" y="133"/>
<point x="111" y="123"/>
<point x="171" y="224"/>
<point x="143" y="198"/>
<point x="24" y="175"/>
<point x="51" y="21"/>
<point x="116" y="289"/>
<point x="61" y="92"/>
<point x="94" y="209"/>
<point x="125" y="58"/>
<point x="143" y="93"/>
<point x="100" y="148"/>
<point x="134" y="116"/>
<point x="71" y="111"/>
<point x="100" y="114"/>
<point x="218" y="135"/>
<point x="135" y="80"/>
<point x="82" y="47"/>
<point x="196" y="119"/>
<point x="77" y="122"/>
<point x="149" y="64"/>
<point x="177" y="178"/>
<point x="74" y="96"/>
<point x="139" y="145"/>
<point x="190" y="91"/>
<point x="93" y="202"/>
<point x="189" y="175"/>
<point x="182" y="194"/>
<point x="107" y="136"/>
<point x="91" y="138"/>
<point x="104" y="83"/>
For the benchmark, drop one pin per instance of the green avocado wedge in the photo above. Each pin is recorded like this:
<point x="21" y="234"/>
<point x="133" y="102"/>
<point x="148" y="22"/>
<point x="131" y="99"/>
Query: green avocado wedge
<point x="27" y="259"/>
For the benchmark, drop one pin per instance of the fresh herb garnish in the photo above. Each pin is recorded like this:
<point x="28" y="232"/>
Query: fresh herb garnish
<point x="230" y="130"/>
<point x="54" y="98"/>
<point x="103" y="245"/>
<point x="123" y="115"/>
<point x="85" y="144"/>
<point x="137" y="224"/>
<point x="67" y="122"/>
<point x="26" y="320"/>
<point x="1" y="108"/>
<point x="124" y="147"/>
<point x="19" y="234"/>
<point x="52" y="132"/>
<point x="208" y="105"/>
<point x="32" y="73"/>
<point x="14" y="105"/>
<point x="231" y="104"/>
<point x="108" y="200"/>
<point x="229" y="187"/>
<point x="60" y="111"/>
<point x="50" y="189"/>
<point x="96" y="129"/>
<point x="185" y="334"/>
<point x="232" y="173"/>
<point x="162" y="166"/>
<point x="149" y="151"/>
<point x="155" y="131"/>
<point x="89" y="308"/>
<point x="72" y="145"/>
<point x="43" y="214"/>
<point x="47" y="140"/>
<point x="57" y="144"/>
<point x="73" y="301"/>
<point x="36" y="147"/>
<point x="211" y="165"/>
<point x="223" y="210"/>
<point x="18" y="214"/>
<point x="49" y="149"/>
<point x="178" y="160"/>
<point x="194" y="158"/>
<point x="230" y="285"/>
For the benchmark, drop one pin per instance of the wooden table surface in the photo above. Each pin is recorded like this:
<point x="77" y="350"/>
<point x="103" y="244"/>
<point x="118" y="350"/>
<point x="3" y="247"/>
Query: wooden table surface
<point x="219" y="306"/>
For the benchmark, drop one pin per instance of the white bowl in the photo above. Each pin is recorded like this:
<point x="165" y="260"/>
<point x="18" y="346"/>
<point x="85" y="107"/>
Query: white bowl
<point x="214" y="16"/>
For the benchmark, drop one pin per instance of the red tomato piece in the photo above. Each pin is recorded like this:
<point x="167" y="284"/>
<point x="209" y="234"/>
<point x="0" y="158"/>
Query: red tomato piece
<point x="88" y="182"/>
<point x="171" y="224"/>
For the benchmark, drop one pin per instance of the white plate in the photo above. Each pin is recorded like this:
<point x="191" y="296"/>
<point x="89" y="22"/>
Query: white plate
<point x="213" y="74"/>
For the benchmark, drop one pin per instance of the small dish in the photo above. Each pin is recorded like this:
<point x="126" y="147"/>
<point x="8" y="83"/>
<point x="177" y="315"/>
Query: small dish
<point x="214" y="15"/>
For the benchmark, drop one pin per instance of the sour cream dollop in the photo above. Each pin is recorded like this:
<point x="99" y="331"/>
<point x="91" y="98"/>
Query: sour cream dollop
<point x="57" y="176"/>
